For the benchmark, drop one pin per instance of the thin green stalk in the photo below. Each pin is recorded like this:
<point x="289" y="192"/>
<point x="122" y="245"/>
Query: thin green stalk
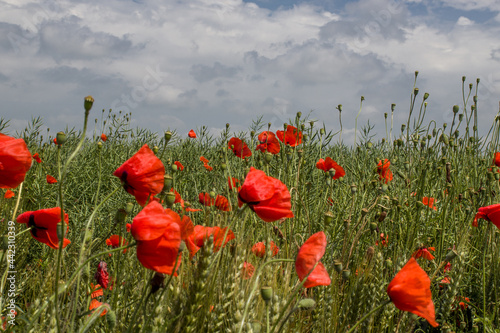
<point x="368" y="315"/>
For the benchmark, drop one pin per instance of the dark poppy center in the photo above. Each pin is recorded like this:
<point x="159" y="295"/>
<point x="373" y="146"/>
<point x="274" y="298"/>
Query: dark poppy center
<point x="249" y="203"/>
<point x="123" y="178"/>
<point x="34" y="228"/>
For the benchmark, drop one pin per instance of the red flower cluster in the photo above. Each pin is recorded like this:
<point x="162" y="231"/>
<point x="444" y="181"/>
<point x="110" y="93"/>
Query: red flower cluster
<point x="410" y="290"/>
<point x="37" y="158"/>
<point x="268" y="142"/>
<point x="205" y="163"/>
<point x="51" y="180"/>
<point x="201" y="233"/>
<point x="429" y="202"/>
<point x="329" y="164"/>
<point x="104" y="137"/>
<point x="259" y="249"/>
<point x="291" y="137"/>
<point x="142" y="175"/>
<point x="15" y="161"/>
<point x="383" y="170"/>
<point x="116" y="241"/>
<point x="233" y="183"/>
<point x="308" y="259"/>
<point x="488" y="213"/>
<point x="268" y="197"/>
<point x="424" y="252"/>
<point x="239" y="148"/>
<point x="43" y="224"/>
<point x="192" y="134"/>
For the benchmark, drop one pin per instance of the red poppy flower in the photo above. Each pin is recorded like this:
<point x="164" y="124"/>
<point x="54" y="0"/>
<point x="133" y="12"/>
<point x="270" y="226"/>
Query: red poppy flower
<point x="248" y="270"/>
<point x="104" y="137"/>
<point x="309" y="255"/>
<point x="384" y="240"/>
<point x="268" y="197"/>
<point x="37" y="158"/>
<point x="43" y="224"/>
<point x="158" y="235"/>
<point x="239" y="148"/>
<point x="205" y="199"/>
<point x="128" y="226"/>
<point x="101" y="275"/>
<point x="201" y="233"/>
<point x="429" y="202"/>
<point x="116" y="241"/>
<point x="51" y="180"/>
<point x="328" y="164"/>
<point x="8" y="194"/>
<point x="424" y="253"/>
<point x="180" y="167"/>
<point x="291" y="137"/>
<point x="233" y="183"/>
<point x="192" y="134"/>
<point x="15" y="161"/>
<point x="95" y="291"/>
<point x="142" y="175"/>
<point x="94" y="304"/>
<point x="205" y="163"/>
<point x="259" y="249"/>
<point x="268" y="142"/>
<point x="410" y="290"/>
<point x="221" y="203"/>
<point x="488" y="213"/>
<point x="383" y="170"/>
<point x="496" y="160"/>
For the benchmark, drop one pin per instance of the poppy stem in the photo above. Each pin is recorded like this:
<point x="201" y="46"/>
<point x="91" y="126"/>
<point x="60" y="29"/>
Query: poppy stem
<point x="369" y="314"/>
<point x="17" y="201"/>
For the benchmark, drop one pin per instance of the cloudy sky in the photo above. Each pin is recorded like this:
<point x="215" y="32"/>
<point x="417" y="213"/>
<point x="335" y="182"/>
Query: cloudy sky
<point x="184" y="64"/>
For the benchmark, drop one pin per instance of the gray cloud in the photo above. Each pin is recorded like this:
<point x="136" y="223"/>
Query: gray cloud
<point x="203" y="73"/>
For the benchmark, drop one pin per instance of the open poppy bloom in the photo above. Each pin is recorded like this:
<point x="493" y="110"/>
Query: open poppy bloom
<point x="8" y="194"/>
<point x="51" y="180"/>
<point x="104" y="137"/>
<point x="15" y="161"/>
<point x="205" y="163"/>
<point x="96" y="290"/>
<point x="268" y="142"/>
<point x="180" y="167"/>
<point x="94" y="304"/>
<point x="383" y="170"/>
<point x="424" y="252"/>
<point x="37" y="158"/>
<point x="308" y="258"/>
<point x="158" y="235"/>
<point x="488" y="213"/>
<point x="233" y="183"/>
<point x="142" y="175"/>
<point x="429" y="202"/>
<point x="268" y="197"/>
<point x="43" y="224"/>
<point x="410" y="290"/>
<point x="192" y="134"/>
<point x="221" y="203"/>
<point x="205" y="199"/>
<point x="329" y="164"/>
<point x="239" y="148"/>
<point x="292" y="136"/>
<point x="200" y="234"/>
<point x="101" y="275"/>
<point x="496" y="160"/>
<point x="259" y="249"/>
<point x="248" y="270"/>
<point x="116" y="241"/>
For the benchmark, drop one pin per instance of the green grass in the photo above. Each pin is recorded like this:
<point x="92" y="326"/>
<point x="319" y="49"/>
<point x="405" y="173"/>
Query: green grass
<point x="210" y="294"/>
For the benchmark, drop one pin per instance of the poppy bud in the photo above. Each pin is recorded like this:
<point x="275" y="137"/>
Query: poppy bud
<point x="212" y="194"/>
<point x="289" y="156"/>
<point x="444" y="139"/>
<point x="463" y="78"/>
<point x="268" y="157"/>
<point x="354" y="189"/>
<point x="266" y="293"/>
<point x="223" y="166"/>
<point x="373" y="226"/>
<point x="167" y="181"/>
<point x="346" y="274"/>
<point x="470" y="86"/>
<point x="384" y="188"/>
<point x="60" y="138"/>
<point x="306" y="304"/>
<point x="456" y="108"/>
<point x="339" y="107"/>
<point x="155" y="149"/>
<point x="61" y="230"/>
<point x="385" y="115"/>
<point x="299" y="114"/>
<point x="173" y="167"/>
<point x="415" y="91"/>
<point x="170" y="199"/>
<point x="328" y="218"/>
<point x="382" y="216"/>
<point x="99" y="145"/>
<point x="369" y="145"/>
<point x="111" y="319"/>
<point x="450" y="255"/>
<point x="403" y="127"/>
<point x="322" y="131"/>
<point x="362" y="98"/>
<point x="331" y="172"/>
<point x="87" y="103"/>
<point x="129" y="207"/>
<point x="120" y="215"/>
<point x="252" y="134"/>
<point x="393" y="106"/>
<point x="337" y="265"/>
<point x="364" y="211"/>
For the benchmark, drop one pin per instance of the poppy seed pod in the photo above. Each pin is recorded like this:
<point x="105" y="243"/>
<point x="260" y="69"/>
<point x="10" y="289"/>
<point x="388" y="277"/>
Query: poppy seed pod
<point x="385" y="115"/>
<point x="128" y="207"/>
<point x="403" y="127"/>
<point x="328" y="218"/>
<point x="373" y="226"/>
<point x="266" y="293"/>
<point x="170" y="199"/>
<point x="173" y="166"/>
<point x="346" y="274"/>
<point x="322" y="131"/>
<point x="426" y="95"/>
<point x="60" y="138"/>
<point x="337" y="265"/>
<point x="354" y="189"/>
<point x="87" y="103"/>
<point x="268" y="157"/>
<point x="167" y="136"/>
<point x="339" y="107"/>
<point x="167" y="181"/>
<point x="415" y="91"/>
